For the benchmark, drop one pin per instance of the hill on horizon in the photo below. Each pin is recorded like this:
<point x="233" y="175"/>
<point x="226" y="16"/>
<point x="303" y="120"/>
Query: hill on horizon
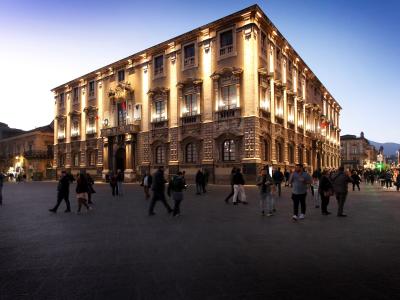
<point x="388" y="148"/>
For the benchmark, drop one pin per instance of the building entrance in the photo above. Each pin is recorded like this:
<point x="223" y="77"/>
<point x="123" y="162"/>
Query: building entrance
<point x="120" y="159"/>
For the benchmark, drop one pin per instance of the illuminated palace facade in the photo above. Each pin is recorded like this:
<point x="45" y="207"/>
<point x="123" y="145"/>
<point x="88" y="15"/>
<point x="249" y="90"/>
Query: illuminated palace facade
<point x="230" y="93"/>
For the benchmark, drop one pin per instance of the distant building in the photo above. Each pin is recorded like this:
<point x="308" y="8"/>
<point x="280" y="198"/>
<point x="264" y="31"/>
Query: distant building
<point x="27" y="152"/>
<point x="357" y="152"/>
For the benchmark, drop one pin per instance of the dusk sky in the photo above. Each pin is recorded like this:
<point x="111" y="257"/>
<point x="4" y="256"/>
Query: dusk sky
<point x="352" y="46"/>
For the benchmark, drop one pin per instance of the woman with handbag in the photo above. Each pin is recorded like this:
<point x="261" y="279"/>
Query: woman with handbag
<point x="325" y="190"/>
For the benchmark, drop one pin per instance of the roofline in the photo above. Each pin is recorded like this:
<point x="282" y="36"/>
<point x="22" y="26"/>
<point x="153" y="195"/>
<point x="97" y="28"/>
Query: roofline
<point x="254" y="8"/>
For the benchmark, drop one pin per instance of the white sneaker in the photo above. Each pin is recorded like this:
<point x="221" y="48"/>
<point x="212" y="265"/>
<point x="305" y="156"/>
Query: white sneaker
<point x="294" y="217"/>
<point x="301" y="217"/>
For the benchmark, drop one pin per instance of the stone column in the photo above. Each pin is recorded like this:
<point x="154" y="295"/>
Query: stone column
<point x="129" y="172"/>
<point x="105" y="158"/>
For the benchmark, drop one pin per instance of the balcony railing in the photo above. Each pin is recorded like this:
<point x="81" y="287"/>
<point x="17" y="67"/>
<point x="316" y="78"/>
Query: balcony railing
<point x="225" y="50"/>
<point x="38" y="154"/>
<point x="113" y="131"/>
<point x="264" y="113"/>
<point x="228" y="113"/>
<point x="158" y="71"/>
<point x="189" y="61"/>
<point x="158" y="123"/>
<point x="190" y="118"/>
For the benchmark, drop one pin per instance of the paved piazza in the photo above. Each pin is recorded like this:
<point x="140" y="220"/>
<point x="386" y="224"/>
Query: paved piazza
<point x="213" y="251"/>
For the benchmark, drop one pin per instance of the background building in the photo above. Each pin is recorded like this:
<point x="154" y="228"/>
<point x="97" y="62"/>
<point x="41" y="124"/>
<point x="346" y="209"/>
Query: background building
<point x="357" y="152"/>
<point x="229" y="93"/>
<point x="28" y="152"/>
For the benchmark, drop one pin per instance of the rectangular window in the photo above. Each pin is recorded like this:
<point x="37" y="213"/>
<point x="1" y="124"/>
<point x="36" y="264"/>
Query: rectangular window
<point x="226" y="42"/>
<point x="62" y="100"/>
<point x="265" y="99"/>
<point x="189" y="53"/>
<point x="228" y="95"/>
<point x="75" y="94"/>
<point x="279" y="107"/>
<point x="121" y="75"/>
<point x="76" y="159"/>
<point x="159" y="109"/>
<point x="75" y="129"/>
<point x="91" y="88"/>
<point x="91" y="126"/>
<point x="190" y="108"/>
<point x="159" y="65"/>
<point x="121" y="107"/>
<point x="263" y="43"/>
<point x="290" y="113"/>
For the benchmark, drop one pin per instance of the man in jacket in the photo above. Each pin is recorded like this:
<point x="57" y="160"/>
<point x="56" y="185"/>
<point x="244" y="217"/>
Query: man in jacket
<point x="340" y="181"/>
<point x="158" y="188"/>
<point x="63" y="192"/>
<point x="278" y="178"/>
<point x="238" y="189"/>
<point x="175" y="189"/>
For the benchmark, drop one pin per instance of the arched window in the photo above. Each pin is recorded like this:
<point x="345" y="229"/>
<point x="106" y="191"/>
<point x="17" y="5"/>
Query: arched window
<point x="279" y="152"/>
<point x="228" y="150"/>
<point x="300" y="153"/>
<point x="291" y="153"/>
<point x="191" y="153"/>
<point x="160" y="155"/>
<point x="267" y="150"/>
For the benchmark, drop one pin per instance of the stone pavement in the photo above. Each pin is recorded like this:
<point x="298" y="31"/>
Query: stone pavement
<point x="213" y="251"/>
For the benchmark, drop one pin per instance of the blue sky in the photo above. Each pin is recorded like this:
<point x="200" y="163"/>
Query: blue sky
<point x="352" y="46"/>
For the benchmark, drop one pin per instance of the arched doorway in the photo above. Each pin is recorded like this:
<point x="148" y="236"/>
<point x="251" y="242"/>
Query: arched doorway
<point x="120" y="159"/>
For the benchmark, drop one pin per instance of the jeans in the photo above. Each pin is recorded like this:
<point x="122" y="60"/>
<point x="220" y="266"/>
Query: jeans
<point x="299" y="199"/>
<point x="341" y="199"/>
<point x="114" y="189"/>
<point x="279" y="187"/>
<point x="356" y="184"/>
<point x="238" y="190"/>
<point x="119" y="185"/>
<point x="146" y="192"/>
<point x="178" y="197"/>
<point x="267" y="202"/>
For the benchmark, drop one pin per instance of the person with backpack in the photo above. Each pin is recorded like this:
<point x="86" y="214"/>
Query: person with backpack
<point x="175" y="190"/>
<point x="340" y="181"/>
<point x="277" y="176"/>
<point x="266" y="186"/>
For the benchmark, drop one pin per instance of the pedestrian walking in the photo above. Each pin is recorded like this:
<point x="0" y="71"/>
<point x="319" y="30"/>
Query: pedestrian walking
<point x="340" y="181"/>
<point x="146" y="183"/>
<point x="113" y="184"/>
<point x="91" y="190"/>
<point x="205" y="180"/>
<point x="277" y="176"/>
<point x="315" y="193"/>
<point x="233" y="172"/>
<point x="266" y="186"/>
<point x="325" y="191"/>
<point x="175" y="190"/>
<point x="82" y="190"/>
<point x="63" y="192"/>
<point x="356" y="180"/>
<point x="120" y="180"/>
<point x="238" y="187"/>
<point x="299" y="181"/>
<point x="2" y="177"/>
<point x="287" y="176"/>
<point x="158" y="188"/>
<point x="199" y="182"/>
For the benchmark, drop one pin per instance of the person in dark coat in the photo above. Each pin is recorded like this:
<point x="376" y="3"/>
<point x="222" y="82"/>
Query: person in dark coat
<point x="238" y="187"/>
<point x="325" y="190"/>
<point x="91" y="190"/>
<point x="113" y="184"/>
<point x="356" y="180"/>
<point x="205" y="180"/>
<point x="175" y="190"/>
<point x="340" y="181"/>
<point x="120" y="180"/>
<point x="199" y="182"/>
<point x="158" y="188"/>
<point x="233" y="172"/>
<point x="277" y="176"/>
<point x="63" y="192"/>
<point x="82" y="190"/>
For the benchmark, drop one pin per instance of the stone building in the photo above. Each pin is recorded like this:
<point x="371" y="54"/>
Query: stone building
<point x="357" y="152"/>
<point x="230" y="93"/>
<point x="28" y="152"/>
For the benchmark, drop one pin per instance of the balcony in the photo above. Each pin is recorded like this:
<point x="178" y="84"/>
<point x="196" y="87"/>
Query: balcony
<point x="228" y="112"/>
<point x="159" y="122"/>
<point x="38" y="154"/>
<point x="189" y="62"/>
<point x="190" y="118"/>
<point x="265" y="113"/>
<point x="226" y="50"/>
<point x="118" y="130"/>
